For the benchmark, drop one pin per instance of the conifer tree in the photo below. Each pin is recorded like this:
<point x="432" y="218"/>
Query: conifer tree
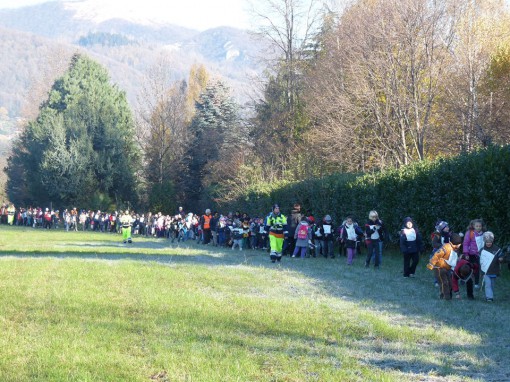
<point x="81" y="146"/>
<point x="218" y="137"/>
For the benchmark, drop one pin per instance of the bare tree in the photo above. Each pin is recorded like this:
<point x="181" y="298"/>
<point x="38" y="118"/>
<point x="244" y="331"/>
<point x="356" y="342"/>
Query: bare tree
<point x="481" y="29"/>
<point x="289" y="25"/>
<point x="161" y="122"/>
<point x="376" y="86"/>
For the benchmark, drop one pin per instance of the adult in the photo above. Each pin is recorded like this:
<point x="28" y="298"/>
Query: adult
<point x="214" y="227"/>
<point x="205" y="223"/>
<point x="3" y="214"/>
<point x="11" y="211"/>
<point x="125" y="221"/>
<point x="47" y="219"/>
<point x="295" y="220"/>
<point x="276" y="225"/>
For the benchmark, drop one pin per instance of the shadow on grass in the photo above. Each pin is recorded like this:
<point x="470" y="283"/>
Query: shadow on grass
<point x="181" y="253"/>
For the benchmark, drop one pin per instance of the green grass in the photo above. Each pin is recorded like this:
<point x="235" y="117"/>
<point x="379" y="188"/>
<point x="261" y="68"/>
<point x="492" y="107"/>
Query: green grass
<point x="84" y="307"/>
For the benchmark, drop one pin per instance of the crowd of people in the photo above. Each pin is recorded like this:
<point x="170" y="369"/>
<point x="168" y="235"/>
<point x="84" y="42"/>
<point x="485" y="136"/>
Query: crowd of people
<point x="463" y="258"/>
<point x="456" y="258"/>
<point x="234" y="230"/>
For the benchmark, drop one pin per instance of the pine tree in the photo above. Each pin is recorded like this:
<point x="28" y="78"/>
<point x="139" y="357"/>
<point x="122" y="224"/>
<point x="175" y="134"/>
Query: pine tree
<point x="218" y="137"/>
<point x="81" y="146"/>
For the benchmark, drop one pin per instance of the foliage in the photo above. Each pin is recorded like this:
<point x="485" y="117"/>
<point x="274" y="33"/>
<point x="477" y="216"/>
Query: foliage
<point x="81" y="144"/>
<point x="217" y="140"/>
<point x="456" y="189"/>
<point x="104" y="39"/>
<point x="162" y="196"/>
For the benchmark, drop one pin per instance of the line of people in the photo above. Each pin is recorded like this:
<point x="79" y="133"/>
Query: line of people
<point x="235" y="230"/>
<point x="456" y="258"/>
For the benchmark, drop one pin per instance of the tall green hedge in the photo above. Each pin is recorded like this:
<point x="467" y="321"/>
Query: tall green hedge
<point x="459" y="189"/>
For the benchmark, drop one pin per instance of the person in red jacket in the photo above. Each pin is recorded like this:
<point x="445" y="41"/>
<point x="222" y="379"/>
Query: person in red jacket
<point x="464" y="271"/>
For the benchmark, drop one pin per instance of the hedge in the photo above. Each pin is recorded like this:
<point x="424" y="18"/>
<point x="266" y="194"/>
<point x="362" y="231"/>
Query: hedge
<point x="475" y="185"/>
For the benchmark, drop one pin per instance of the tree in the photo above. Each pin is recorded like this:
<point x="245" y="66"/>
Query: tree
<point x="373" y="92"/>
<point x="481" y="30"/>
<point x="80" y="146"/>
<point x="495" y="91"/>
<point x="289" y="26"/>
<point x="217" y="143"/>
<point x="197" y="82"/>
<point x="163" y="118"/>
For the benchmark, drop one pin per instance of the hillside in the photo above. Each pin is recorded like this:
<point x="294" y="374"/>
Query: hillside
<point x="36" y="36"/>
<point x="59" y="20"/>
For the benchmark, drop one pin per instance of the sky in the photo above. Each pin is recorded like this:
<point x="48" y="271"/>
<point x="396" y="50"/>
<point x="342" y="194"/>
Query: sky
<point x="195" y="14"/>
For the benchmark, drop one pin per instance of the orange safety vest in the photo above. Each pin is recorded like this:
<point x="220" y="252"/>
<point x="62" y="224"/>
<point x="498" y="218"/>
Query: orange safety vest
<point x="207" y="221"/>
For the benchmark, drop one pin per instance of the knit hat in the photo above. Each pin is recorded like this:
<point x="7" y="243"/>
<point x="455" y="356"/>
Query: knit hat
<point x="441" y="226"/>
<point x="455" y="239"/>
<point x="327" y="219"/>
<point x="488" y="237"/>
<point x="407" y="220"/>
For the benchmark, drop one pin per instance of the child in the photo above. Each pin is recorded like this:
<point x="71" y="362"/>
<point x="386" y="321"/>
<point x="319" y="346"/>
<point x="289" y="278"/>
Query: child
<point x="237" y="235"/>
<point x="350" y="233"/>
<point x="254" y="228"/>
<point x="262" y="235"/>
<point x="246" y="232"/>
<point x="302" y="235"/>
<point x="411" y="245"/>
<point x="473" y="243"/>
<point x="494" y="268"/>
<point x="327" y="238"/>
<point x="440" y="236"/>
<point x="374" y="239"/>
<point x="342" y="250"/>
<point x="317" y="238"/>
<point x="442" y="262"/>
<point x="222" y="231"/>
<point x="463" y="271"/>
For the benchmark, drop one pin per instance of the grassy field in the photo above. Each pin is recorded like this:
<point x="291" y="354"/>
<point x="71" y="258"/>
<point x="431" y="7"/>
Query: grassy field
<point x="84" y="307"/>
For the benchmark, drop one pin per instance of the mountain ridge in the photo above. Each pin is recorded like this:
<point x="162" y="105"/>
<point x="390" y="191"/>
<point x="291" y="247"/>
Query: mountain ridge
<point x="227" y="52"/>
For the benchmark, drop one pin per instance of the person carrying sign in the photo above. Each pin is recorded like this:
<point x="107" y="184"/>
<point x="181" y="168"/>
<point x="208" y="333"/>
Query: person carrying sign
<point x="491" y="257"/>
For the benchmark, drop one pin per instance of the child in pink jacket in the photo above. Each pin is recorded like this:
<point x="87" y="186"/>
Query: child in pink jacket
<point x="473" y="243"/>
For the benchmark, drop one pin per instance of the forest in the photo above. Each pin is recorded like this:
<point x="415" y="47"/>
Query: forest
<point x="374" y="87"/>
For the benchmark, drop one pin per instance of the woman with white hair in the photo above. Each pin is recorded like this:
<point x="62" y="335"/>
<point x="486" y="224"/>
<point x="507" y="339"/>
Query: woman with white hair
<point x="374" y="231"/>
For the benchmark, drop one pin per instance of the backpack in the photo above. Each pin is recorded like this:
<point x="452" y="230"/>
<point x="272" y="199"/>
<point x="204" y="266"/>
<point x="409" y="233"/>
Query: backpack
<point x="302" y="233"/>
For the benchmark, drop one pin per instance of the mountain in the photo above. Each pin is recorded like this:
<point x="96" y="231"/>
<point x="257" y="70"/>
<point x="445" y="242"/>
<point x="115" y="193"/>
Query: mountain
<point x="62" y="20"/>
<point x="40" y="38"/>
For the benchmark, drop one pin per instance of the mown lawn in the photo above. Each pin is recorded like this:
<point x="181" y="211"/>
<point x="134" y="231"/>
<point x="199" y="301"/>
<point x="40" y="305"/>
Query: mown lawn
<point x="84" y="307"/>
